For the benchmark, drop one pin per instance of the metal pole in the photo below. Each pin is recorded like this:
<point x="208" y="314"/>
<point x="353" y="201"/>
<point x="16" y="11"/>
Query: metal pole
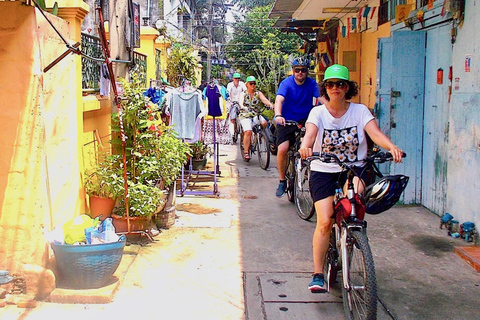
<point x="108" y="61"/>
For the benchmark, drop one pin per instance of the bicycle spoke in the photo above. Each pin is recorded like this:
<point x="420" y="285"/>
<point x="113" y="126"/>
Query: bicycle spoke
<point x="263" y="151"/>
<point x="360" y="299"/>
<point x="303" y="199"/>
<point x="290" y="176"/>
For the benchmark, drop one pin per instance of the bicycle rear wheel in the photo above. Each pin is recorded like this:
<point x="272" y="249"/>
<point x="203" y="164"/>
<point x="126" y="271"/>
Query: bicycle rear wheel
<point x="290" y="177"/>
<point x="360" y="300"/>
<point x="263" y="150"/>
<point x="303" y="199"/>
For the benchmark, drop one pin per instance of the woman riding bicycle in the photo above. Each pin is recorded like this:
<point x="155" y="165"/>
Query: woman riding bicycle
<point x="339" y="127"/>
<point x="252" y="102"/>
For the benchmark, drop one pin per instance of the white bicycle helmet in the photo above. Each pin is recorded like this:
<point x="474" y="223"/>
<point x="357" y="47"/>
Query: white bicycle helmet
<point x="383" y="194"/>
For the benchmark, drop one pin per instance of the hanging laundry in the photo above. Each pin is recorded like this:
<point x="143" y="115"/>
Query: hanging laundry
<point x="184" y="109"/>
<point x="213" y="94"/>
<point x="104" y="80"/>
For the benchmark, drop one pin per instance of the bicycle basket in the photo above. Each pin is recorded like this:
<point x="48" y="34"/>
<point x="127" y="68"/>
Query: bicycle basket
<point x="343" y="208"/>
<point x="383" y="194"/>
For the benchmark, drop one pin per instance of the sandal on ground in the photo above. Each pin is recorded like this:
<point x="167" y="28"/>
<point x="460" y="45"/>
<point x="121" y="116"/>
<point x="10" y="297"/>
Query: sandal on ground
<point x="246" y="157"/>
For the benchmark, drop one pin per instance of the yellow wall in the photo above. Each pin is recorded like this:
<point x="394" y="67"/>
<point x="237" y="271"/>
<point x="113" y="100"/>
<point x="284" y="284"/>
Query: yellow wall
<point x="147" y="47"/>
<point x="369" y="64"/>
<point x="40" y="185"/>
<point x="162" y="43"/>
<point x="352" y="43"/>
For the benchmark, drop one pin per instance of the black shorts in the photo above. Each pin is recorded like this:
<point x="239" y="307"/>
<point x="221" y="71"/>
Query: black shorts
<point x="323" y="184"/>
<point x="287" y="133"/>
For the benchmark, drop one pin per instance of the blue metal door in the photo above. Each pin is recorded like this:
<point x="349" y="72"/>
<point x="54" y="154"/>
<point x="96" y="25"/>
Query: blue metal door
<point x="399" y="108"/>
<point x="436" y="114"/>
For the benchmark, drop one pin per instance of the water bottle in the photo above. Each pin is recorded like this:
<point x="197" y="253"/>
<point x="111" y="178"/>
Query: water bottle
<point x="338" y="194"/>
<point x="109" y="231"/>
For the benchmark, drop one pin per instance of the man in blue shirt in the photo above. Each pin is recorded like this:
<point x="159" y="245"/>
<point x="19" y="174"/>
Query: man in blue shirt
<point x="296" y="96"/>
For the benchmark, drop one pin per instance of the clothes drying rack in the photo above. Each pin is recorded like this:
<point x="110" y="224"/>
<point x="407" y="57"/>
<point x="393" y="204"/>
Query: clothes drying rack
<point x="189" y="177"/>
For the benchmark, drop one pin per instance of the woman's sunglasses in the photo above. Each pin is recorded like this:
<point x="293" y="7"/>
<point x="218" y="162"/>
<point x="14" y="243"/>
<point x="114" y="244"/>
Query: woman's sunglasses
<point x="339" y="84"/>
<point x="252" y="83"/>
<point x="304" y="70"/>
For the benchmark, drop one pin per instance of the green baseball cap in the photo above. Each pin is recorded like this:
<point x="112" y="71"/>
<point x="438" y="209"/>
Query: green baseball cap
<point x="236" y="75"/>
<point x="337" y="71"/>
<point x="251" y="79"/>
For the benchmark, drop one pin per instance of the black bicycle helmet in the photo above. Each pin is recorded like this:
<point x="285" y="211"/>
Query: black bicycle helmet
<point x="383" y="194"/>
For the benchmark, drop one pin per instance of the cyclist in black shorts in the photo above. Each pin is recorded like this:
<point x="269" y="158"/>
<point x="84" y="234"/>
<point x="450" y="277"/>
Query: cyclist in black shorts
<point x="296" y="96"/>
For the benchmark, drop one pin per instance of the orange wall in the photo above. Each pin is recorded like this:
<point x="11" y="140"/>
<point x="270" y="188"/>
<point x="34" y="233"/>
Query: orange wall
<point x="369" y="62"/>
<point x="40" y="184"/>
<point x="352" y="43"/>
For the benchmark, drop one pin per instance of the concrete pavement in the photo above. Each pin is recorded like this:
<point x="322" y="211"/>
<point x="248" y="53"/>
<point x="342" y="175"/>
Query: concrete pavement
<point x="246" y="255"/>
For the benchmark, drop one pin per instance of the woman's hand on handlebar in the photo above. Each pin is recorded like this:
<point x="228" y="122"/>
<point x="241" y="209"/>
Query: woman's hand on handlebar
<point x="396" y="153"/>
<point x="305" y="152"/>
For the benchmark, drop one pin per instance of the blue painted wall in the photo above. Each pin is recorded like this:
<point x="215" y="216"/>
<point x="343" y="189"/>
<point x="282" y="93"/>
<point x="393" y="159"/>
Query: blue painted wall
<point x="464" y="122"/>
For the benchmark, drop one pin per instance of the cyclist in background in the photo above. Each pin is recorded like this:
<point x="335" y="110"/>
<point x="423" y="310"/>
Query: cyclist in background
<point x="338" y="127"/>
<point x="296" y="96"/>
<point x="235" y="89"/>
<point x="252" y="102"/>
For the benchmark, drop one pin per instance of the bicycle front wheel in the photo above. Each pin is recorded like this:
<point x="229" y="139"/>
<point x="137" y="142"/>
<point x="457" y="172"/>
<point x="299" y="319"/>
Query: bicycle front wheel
<point x="360" y="298"/>
<point x="263" y="150"/>
<point x="236" y="132"/>
<point x="303" y="199"/>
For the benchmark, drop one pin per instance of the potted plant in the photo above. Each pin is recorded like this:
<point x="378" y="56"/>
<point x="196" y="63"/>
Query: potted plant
<point x="154" y="155"/>
<point x="199" y="152"/>
<point x="104" y="184"/>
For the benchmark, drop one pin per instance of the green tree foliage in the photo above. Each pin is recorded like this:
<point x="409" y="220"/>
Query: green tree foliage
<point x="246" y="5"/>
<point x="181" y="65"/>
<point x="259" y="49"/>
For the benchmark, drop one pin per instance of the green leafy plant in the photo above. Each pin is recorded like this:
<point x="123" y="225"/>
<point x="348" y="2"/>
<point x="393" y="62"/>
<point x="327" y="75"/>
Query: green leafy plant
<point x="154" y="155"/>
<point x="144" y="200"/>
<point x="104" y="179"/>
<point x="199" y="150"/>
<point x="181" y="65"/>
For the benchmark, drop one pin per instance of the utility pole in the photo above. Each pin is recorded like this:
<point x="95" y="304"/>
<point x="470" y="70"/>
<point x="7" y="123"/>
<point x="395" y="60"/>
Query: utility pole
<point x="210" y="38"/>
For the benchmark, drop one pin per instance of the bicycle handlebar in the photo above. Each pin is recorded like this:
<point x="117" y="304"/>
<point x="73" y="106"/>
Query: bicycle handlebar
<point x="292" y="123"/>
<point x="376" y="157"/>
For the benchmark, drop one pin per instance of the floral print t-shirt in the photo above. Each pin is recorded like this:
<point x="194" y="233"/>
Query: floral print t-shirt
<point x="250" y="106"/>
<point x="345" y="136"/>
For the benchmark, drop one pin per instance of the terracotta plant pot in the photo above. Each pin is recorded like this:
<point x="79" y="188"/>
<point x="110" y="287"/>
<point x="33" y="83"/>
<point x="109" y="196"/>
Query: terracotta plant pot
<point x="101" y="206"/>
<point x="136" y="223"/>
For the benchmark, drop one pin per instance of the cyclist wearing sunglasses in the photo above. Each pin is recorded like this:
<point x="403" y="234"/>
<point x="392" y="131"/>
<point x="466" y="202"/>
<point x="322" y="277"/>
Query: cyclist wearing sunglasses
<point x="339" y="127"/>
<point x="296" y="96"/>
<point x="252" y="102"/>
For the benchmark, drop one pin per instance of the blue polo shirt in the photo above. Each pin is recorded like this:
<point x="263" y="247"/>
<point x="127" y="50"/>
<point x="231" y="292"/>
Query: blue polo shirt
<point x="298" y="98"/>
